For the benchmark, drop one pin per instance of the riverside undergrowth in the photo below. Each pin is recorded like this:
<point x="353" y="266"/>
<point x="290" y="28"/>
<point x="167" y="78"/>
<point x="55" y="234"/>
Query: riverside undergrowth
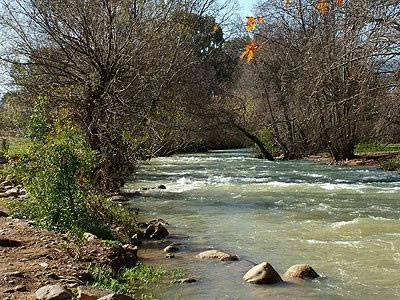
<point x="140" y="282"/>
<point x="56" y="167"/>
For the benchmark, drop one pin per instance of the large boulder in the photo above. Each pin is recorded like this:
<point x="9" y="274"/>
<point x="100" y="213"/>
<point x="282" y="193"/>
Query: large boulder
<point x="263" y="273"/>
<point x="53" y="292"/>
<point x="217" y="255"/>
<point x="301" y="271"/>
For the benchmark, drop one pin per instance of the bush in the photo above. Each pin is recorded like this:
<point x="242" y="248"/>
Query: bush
<point x="56" y="168"/>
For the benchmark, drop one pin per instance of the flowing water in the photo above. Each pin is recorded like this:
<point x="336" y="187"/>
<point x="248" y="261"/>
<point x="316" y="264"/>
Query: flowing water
<point x="345" y="222"/>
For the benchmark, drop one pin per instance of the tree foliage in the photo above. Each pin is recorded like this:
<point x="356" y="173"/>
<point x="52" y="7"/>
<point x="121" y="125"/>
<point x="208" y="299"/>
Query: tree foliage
<point x="126" y="70"/>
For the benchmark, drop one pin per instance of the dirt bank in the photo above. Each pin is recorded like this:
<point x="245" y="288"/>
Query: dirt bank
<point x="31" y="258"/>
<point x="374" y="161"/>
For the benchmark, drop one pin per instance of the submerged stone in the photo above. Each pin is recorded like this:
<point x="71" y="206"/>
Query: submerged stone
<point x="217" y="255"/>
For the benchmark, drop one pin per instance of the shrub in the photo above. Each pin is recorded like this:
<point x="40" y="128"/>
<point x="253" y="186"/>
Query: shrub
<point x="56" y="167"/>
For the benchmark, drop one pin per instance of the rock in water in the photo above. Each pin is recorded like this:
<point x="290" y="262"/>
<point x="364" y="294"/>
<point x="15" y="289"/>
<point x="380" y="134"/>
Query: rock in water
<point x="53" y="292"/>
<point x="301" y="271"/>
<point x="263" y="273"/>
<point x="162" y="187"/>
<point x="156" y="231"/>
<point x="160" y="232"/>
<point x="171" y="248"/>
<point x="131" y="250"/>
<point x="186" y="280"/>
<point x="218" y="255"/>
<point x="149" y="230"/>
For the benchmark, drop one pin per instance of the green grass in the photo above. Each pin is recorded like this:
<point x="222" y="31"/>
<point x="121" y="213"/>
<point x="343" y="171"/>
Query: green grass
<point x="140" y="282"/>
<point x="14" y="142"/>
<point x="377" y="148"/>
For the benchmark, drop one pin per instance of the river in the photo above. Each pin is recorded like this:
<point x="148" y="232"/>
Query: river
<point x="343" y="221"/>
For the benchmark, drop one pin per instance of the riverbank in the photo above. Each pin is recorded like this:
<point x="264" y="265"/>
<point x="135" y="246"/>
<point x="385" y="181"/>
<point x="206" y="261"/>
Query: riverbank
<point x="91" y="268"/>
<point x="371" y="160"/>
<point x="32" y="258"/>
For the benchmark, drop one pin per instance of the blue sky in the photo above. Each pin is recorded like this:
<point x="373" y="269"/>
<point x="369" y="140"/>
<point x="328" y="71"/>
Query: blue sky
<point x="246" y="6"/>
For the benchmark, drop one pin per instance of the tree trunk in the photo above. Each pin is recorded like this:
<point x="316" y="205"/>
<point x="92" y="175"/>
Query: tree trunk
<point x="265" y="153"/>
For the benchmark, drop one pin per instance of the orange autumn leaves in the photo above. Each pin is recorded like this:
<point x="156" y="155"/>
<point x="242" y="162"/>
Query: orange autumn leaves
<point x="249" y="50"/>
<point x="252" y="23"/>
<point x="323" y="6"/>
<point x="253" y="46"/>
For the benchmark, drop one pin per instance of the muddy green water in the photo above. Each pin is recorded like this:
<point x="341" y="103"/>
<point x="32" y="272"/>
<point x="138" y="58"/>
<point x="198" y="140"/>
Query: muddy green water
<point x="345" y="222"/>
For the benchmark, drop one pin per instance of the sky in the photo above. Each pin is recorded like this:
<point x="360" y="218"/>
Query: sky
<point x="246" y="6"/>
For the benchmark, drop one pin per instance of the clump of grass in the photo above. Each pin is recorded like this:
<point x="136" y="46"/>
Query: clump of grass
<point x="113" y="243"/>
<point x="139" y="282"/>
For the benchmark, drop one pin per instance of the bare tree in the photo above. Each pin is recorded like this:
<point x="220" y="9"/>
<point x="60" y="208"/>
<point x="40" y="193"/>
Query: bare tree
<point x="319" y="79"/>
<point x="109" y="62"/>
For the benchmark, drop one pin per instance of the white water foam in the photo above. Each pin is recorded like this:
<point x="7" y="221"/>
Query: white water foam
<point x="381" y="218"/>
<point x="324" y="207"/>
<point x="325" y="186"/>
<point x="344" y="223"/>
<point x="314" y="175"/>
<point x="352" y="244"/>
<point x="396" y="258"/>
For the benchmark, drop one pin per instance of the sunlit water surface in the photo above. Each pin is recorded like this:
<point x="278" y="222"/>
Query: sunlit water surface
<point x="343" y="221"/>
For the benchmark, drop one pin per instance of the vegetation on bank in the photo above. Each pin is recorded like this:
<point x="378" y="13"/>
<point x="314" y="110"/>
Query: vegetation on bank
<point x="140" y="282"/>
<point x="56" y="167"/>
<point x="185" y="87"/>
<point x="388" y="155"/>
<point x="392" y="164"/>
<point x="377" y="148"/>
